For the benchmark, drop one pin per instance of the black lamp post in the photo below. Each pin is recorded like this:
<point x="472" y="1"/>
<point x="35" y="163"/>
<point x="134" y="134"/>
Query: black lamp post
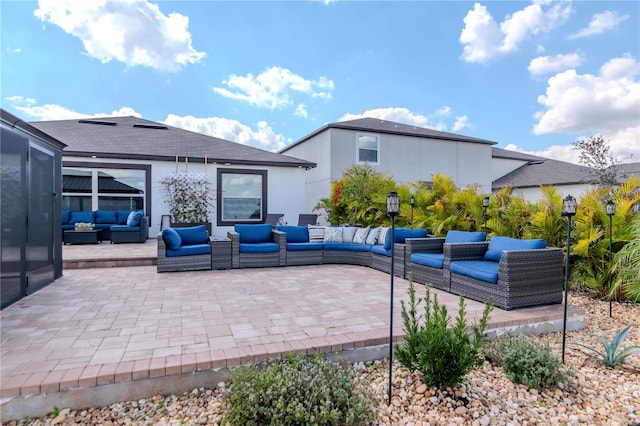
<point x="569" y="205"/>
<point x="485" y="204"/>
<point x="412" y="201"/>
<point x="393" y="208"/>
<point x="611" y="210"/>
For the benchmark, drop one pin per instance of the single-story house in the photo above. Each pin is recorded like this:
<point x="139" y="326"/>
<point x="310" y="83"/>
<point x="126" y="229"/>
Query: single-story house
<point x="118" y="163"/>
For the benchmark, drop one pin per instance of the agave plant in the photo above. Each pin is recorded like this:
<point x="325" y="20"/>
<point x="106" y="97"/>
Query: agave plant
<point x="613" y="355"/>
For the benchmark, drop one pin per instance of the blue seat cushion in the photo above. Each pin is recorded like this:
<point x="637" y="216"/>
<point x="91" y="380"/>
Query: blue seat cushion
<point x="380" y="249"/>
<point x="84" y="217"/>
<point x="304" y="246"/>
<point x="191" y="250"/>
<point x="107" y="216"/>
<point x="295" y="234"/>
<point x="254" y="233"/>
<point x="498" y="244"/>
<point x="482" y="270"/>
<point x="123" y="228"/>
<point x="347" y="246"/>
<point x="465" y="237"/>
<point x="193" y="235"/>
<point x="134" y="218"/>
<point x="259" y="247"/>
<point x="433" y="260"/>
<point x="171" y="239"/>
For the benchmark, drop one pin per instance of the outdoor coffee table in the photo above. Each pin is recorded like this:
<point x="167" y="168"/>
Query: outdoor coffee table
<point x="93" y="236"/>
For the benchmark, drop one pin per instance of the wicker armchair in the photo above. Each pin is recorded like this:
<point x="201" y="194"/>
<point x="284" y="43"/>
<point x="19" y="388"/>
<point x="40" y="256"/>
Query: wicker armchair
<point x="525" y="277"/>
<point x="243" y="257"/>
<point x="195" y="262"/>
<point x="424" y="274"/>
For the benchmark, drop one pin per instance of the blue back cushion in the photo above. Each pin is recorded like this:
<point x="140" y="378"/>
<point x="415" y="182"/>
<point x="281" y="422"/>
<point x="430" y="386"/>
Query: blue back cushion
<point x="107" y="216"/>
<point x="123" y="215"/>
<point x="403" y="233"/>
<point x="465" y="237"/>
<point x="251" y="234"/>
<point x="295" y="234"/>
<point x="86" y="217"/>
<point x="66" y="217"/>
<point x="171" y="238"/>
<point x="193" y="235"/>
<point x="134" y="218"/>
<point x="497" y="244"/>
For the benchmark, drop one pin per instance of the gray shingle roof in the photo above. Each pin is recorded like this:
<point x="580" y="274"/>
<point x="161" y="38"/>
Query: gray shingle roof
<point x="136" y="138"/>
<point x="543" y="171"/>
<point x="390" y="127"/>
<point x="628" y="169"/>
<point x="513" y="155"/>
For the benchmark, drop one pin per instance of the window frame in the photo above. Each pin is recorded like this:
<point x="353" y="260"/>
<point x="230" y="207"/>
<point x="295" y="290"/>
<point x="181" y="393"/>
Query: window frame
<point x="377" y="149"/>
<point x="220" y="190"/>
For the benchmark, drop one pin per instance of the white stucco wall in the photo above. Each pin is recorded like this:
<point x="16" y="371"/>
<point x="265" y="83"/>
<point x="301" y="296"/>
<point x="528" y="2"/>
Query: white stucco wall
<point x="503" y="166"/>
<point x="285" y="188"/>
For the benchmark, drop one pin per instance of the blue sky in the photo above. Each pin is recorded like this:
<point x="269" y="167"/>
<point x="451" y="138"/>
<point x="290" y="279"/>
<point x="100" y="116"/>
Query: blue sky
<point x="532" y="76"/>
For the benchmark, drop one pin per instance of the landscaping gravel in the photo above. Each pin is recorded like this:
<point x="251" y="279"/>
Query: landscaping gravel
<point x="595" y="396"/>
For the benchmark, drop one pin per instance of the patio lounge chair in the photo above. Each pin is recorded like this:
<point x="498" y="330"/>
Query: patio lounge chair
<point x="257" y="246"/>
<point x="184" y="249"/>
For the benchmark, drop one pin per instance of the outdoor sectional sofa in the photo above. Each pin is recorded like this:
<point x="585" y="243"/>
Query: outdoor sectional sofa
<point x="119" y="226"/>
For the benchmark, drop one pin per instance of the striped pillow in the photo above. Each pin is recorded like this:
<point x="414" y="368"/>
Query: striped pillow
<point x="316" y="233"/>
<point x="382" y="237"/>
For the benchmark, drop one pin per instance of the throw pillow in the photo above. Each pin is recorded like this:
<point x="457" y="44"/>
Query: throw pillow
<point x="361" y="235"/>
<point x="382" y="237"/>
<point x="171" y="238"/>
<point x="348" y="232"/>
<point x="134" y="218"/>
<point x="316" y="233"/>
<point x="372" y="237"/>
<point x="333" y="234"/>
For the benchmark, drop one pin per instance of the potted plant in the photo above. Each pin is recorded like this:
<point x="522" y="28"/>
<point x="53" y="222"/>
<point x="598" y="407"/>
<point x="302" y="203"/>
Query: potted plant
<point x="189" y="199"/>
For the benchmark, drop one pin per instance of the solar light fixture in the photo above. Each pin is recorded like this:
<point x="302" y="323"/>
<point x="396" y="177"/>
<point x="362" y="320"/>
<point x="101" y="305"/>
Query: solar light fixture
<point x="611" y="211"/>
<point x="569" y="205"/>
<point x="393" y="208"/>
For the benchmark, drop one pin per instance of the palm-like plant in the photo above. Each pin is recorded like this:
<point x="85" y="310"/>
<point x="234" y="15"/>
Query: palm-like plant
<point x="626" y="267"/>
<point x="546" y="220"/>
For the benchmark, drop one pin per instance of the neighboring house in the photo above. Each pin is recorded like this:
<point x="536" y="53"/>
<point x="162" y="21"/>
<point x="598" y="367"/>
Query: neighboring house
<point x="626" y="170"/>
<point x="30" y="233"/>
<point x="525" y="173"/>
<point x="406" y="153"/>
<point x="119" y="163"/>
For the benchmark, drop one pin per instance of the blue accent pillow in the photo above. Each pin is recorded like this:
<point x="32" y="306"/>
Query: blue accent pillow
<point x="295" y="234"/>
<point x="465" y="237"/>
<point x="134" y="218"/>
<point x="252" y="234"/>
<point x="85" y="217"/>
<point x="193" y="235"/>
<point x="498" y="244"/>
<point x="107" y="216"/>
<point x="171" y="238"/>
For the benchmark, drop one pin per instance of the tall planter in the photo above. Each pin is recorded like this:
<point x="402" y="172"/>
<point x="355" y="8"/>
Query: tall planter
<point x="190" y="199"/>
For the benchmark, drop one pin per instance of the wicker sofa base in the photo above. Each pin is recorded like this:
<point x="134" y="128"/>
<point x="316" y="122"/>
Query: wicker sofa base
<point x="383" y="263"/>
<point x="429" y="276"/>
<point x="349" y="257"/>
<point x="258" y="260"/>
<point x="305" y="257"/>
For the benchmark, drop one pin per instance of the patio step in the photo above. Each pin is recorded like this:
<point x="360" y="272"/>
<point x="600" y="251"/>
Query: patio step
<point x="108" y="263"/>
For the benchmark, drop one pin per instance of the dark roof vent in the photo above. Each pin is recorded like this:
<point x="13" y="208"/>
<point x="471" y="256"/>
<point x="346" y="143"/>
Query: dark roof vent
<point x="534" y="162"/>
<point x="104" y="123"/>
<point x="150" y="126"/>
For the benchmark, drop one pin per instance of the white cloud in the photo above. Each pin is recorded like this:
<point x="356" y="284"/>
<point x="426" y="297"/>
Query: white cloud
<point x="134" y="32"/>
<point x="484" y="39"/>
<point x="604" y="103"/>
<point x="10" y="49"/>
<point x="261" y="136"/>
<point x="49" y="112"/>
<point x="274" y="88"/>
<point x="403" y="115"/>
<point x="600" y="23"/>
<point x="301" y="111"/>
<point x="555" y="63"/>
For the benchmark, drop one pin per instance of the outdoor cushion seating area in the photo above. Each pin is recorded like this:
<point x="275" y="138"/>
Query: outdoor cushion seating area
<point x="515" y="272"/>
<point x="119" y="226"/>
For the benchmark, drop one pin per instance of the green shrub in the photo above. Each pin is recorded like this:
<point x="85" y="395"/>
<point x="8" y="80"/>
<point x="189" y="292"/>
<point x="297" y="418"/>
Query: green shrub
<point x="442" y="355"/>
<point x="527" y="362"/>
<point x="297" y="391"/>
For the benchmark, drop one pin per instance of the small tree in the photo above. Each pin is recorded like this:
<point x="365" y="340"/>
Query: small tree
<point x="189" y="197"/>
<point x="595" y="153"/>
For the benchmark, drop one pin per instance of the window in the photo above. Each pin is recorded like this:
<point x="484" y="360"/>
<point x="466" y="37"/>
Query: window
<point x="242" y="196"/>
<point x="368" y="149"/>
<point x="89" y="186"/>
